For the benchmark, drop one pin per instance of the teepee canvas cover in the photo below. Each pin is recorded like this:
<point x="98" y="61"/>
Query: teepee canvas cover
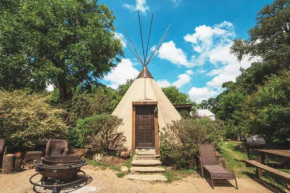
<point x="144" y="92"/>
<point x="145" y="109"/>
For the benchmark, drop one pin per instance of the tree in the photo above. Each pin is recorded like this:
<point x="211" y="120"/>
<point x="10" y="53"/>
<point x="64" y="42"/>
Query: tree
<point x="65" y="43"/>
<point x="175" y="96"/>
<point x="267" y="111"/>
<point x="270" y="38"/>
<point x="122" y="88"/>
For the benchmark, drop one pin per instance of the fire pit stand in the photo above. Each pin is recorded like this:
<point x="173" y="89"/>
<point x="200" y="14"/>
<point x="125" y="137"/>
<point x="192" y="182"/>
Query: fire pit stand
<point x="57" y="170"/>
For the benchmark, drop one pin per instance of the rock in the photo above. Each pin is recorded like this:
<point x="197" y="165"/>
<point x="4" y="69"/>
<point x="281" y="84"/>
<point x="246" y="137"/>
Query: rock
<point x="125" y="154"/>
<point x="77" y="152"/>
<point x="170" y="169"/>
<point x="97" y="157"/>
<point x="124" y="169"/>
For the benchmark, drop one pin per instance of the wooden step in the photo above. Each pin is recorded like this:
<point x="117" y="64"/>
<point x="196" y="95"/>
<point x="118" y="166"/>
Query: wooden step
<point x="147" y="169"/>
<point x="153" y="177"/>
<point x="146" y="163"/>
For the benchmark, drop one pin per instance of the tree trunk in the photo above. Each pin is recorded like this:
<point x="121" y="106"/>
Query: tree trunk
<point x="8" y="162"/>
<point x="62" y="88"/>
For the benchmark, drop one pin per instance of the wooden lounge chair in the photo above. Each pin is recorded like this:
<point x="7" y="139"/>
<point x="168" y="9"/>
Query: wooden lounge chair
<point x="209" y="162"/>
<point x="56" y="147"/>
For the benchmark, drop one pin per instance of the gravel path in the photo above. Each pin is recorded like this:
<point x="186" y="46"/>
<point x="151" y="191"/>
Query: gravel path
<point x="106" y="181"/>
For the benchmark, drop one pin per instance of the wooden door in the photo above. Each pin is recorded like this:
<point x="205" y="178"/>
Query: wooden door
<point x="145" y="126"/>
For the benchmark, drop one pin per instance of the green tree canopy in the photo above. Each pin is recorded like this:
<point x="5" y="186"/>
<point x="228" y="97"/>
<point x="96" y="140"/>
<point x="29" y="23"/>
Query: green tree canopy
<point x="65" y="43"/>
<point x="248" y="103"/>
<point x="175" y="96"/>
<point x="267" y="111"/>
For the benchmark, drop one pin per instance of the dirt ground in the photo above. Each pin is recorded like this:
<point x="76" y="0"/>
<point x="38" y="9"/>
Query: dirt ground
<point x="106" y="181"/>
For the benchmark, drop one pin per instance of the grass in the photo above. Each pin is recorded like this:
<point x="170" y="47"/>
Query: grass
<point x="235" y="154"/>
<point x="117" y="168"/>
<point x="178" y="174"/>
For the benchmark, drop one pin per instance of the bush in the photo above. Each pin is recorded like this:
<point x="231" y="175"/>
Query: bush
<point x="179" y="141"/>
<point x="99" y="133"/>
<point x="267" y="111"/>
<point x="83" y="104"/>
<point x="30" y="120"/>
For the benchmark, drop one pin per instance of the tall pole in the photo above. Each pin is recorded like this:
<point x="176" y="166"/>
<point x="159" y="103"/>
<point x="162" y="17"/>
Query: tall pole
<point x="141" y="34"/>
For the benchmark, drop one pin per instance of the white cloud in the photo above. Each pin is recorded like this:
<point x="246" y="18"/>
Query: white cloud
<point x="189" y="72"/>
<point x="121" y="38"/>
<point x="212" y="46"/>
<point x="140" y="6"/>
<point x="168" y="51"/>
<point x="182" y="80"/>
<point x="163" y="83"/>
<point x="121" y="73"/>
<point x="199" y="94"/>
<point x="205" y="36"/>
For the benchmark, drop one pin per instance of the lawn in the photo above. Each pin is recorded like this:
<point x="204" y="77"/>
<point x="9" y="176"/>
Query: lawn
<point x="235" y="153"/>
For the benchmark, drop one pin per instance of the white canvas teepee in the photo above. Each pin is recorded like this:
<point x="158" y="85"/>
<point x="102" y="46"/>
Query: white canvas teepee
<point x="144" y="90"/>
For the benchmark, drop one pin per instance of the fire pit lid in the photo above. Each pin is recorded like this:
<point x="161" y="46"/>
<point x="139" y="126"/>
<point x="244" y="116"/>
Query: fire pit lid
<point x="61" y="160"/>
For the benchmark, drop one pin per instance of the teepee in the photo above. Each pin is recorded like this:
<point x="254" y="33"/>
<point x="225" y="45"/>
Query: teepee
<point x="145" y="109"/>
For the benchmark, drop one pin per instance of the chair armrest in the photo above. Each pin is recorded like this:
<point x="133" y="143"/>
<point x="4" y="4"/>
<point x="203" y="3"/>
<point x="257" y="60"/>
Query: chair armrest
<point x="200" y="161"/>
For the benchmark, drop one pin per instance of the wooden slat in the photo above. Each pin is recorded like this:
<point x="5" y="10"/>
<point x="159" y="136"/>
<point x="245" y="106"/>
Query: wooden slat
<point x="156" y="129"/>
<point x="283" y="153"/>
<point x="144" y="102"/>
<point x="133" y="129"/>
<point x="269" y="169"/>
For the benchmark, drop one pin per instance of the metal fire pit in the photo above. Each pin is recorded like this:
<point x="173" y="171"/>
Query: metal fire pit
<point x="57" y="170"/>
<point x="254" y="142"/>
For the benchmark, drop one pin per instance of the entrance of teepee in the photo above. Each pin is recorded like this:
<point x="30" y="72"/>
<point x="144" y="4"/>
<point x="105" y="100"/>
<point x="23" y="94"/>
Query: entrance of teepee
<point x="145" y="127"/>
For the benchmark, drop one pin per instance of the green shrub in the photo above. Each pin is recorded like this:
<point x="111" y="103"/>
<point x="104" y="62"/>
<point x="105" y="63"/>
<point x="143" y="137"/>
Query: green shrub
<point x="178" y="142"/>
<point x="99" y="133"/>
<point x="30" y="119"/>
<point x="84" y="104"/>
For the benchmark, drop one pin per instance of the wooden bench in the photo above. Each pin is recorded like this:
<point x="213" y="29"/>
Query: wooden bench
<point x="261" y="167"/>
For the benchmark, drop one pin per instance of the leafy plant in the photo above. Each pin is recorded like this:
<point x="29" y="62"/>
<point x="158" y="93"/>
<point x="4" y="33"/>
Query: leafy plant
<point x="31" y="120"/>
<point x="179" y="141"/>
<point x="98" y="133"/>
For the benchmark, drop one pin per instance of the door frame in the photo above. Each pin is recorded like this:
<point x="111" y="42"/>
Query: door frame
<point x="156" y="128"/>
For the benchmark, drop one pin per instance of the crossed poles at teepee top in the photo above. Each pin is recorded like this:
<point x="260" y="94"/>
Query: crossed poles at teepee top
<point x="146" y="58"/>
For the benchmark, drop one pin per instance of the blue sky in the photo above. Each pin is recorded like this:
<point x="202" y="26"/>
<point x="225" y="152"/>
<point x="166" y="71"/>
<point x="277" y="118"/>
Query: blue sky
<point x="195" y="55"/>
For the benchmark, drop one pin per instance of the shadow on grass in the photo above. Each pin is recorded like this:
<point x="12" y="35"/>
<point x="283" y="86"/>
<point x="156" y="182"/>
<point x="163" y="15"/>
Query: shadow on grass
<point x="267" y="185"/>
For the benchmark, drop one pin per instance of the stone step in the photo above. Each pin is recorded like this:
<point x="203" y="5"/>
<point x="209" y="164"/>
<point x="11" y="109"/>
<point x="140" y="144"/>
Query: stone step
<point x="145" y="151"/>
<point x="146" y="169"/>
<point x="144" y="157"/>
<point x="153" y="177"/>
<point x="146" y="163"/>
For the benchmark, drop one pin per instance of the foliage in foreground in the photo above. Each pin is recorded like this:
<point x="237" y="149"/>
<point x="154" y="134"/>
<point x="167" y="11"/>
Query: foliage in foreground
<point x="30" y="119"/>
<point x="178" y="142"/>
<point x="65" y="43"/>
<point x="98" y="133"/>
<point x="268" y="110"/>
